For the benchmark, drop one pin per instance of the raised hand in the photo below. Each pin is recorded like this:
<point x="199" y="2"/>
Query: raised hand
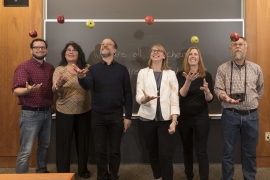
<point x="191" y="76"/>
<point x="61" y="80"/>
<point x="32" y="88"/>
<point x="148" y="98"/>
<point x="226" y="98"/>
<point x="81" y="73"/>
<point x="205" y="86"/>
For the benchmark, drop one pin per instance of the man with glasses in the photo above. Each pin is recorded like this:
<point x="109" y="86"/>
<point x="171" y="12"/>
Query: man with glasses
<point x="32" y="84"/>
<point x="239" y="86"/>
<point x="111" y="90"/>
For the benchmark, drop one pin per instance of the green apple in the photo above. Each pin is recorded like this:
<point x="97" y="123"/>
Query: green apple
<point x="194" y="40"/>
<point x="90" y="24"/>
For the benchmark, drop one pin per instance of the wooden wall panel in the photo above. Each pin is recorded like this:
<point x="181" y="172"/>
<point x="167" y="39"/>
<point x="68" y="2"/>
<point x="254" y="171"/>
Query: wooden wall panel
<point x="16" y="22"/>
<point x="258" y="36"/>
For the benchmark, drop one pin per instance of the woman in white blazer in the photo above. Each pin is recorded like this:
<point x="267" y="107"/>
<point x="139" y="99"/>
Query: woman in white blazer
<point x="157" y="94"/>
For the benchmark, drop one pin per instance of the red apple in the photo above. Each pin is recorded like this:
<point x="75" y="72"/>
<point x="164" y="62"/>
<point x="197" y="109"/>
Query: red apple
<point x="60" y="19"/>
<point x="234" y="36"/>
<point x="149" y="20"/>
<point x="33" y="33"/>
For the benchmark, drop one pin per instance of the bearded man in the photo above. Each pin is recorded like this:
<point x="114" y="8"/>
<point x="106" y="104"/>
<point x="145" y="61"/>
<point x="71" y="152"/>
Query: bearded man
<point x="239" y="86"/>
<point x="32" y="84"/>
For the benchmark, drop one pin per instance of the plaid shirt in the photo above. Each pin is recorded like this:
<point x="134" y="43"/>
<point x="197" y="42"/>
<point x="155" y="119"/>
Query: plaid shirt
<point x="254" y="84"/>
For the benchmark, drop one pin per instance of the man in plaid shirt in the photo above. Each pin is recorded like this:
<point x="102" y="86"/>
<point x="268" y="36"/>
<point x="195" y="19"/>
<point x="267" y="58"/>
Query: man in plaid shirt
<point x="239" y="86"/>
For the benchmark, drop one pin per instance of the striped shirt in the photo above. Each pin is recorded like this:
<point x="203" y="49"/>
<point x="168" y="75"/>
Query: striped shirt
<point x="254" y="84"/>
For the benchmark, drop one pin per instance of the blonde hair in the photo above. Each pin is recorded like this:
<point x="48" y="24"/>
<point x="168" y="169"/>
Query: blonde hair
<point x="201" y="67"/>
<point x="165" y="65"/>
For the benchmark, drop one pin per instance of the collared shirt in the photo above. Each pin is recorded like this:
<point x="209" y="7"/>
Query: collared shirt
<point x="104" y="62"/>
<point x="33" y="72"/>
<point x="72" y="98"/>
<point x="254" y="84"/>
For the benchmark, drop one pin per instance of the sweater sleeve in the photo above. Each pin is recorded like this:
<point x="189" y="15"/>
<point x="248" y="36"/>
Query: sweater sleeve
<point x="87" y="82"/>
<point x="127" y="96"/>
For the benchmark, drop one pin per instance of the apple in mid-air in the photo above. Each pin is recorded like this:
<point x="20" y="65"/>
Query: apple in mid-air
<point x="33" y="33"/>
<point x="149" y="20"/>
<point x="194" y="40"/>
<point x="234" y="36"/>
<point x="90" y="24"/>
<point x="60" y="18"/>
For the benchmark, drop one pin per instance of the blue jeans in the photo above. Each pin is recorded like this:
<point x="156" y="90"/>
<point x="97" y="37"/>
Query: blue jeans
<point x="33" y="124"/>
<point x="233" y="124"/>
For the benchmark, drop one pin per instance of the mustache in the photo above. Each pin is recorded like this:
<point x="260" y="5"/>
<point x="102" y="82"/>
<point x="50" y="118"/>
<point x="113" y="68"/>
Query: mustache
<point x="237" y="50"/>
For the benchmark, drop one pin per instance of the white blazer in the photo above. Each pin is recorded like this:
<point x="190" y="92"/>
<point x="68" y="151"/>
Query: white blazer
<point x="169" y="99"/>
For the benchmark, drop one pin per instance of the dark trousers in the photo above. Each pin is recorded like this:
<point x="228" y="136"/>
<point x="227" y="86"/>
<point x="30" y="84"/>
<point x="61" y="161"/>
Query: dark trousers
<point x="195" y="129"/>
<point x="107" y="128"/>
<point x="161" y="146"/>
<point x="66" y="125"/>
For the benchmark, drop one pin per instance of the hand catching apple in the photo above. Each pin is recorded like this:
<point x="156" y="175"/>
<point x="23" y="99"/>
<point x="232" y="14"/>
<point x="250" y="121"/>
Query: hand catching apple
<point x="149" y="20"/>
<point x="90" y="24"/>
<point x="234" y="36"/>
<point x="60" y="19"/>
<point x="194" y="40"/>
<point x="33" y="33"/>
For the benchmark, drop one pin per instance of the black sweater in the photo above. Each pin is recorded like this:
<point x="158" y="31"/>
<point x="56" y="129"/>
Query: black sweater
<point x="111" y="89"/>
<point x="194" y="102"/>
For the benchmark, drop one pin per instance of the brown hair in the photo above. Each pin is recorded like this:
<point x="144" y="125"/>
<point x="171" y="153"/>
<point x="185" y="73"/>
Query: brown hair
<point x="201" y="67"/>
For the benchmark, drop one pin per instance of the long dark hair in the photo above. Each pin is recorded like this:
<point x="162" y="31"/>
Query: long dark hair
<point x="81" y="63"/>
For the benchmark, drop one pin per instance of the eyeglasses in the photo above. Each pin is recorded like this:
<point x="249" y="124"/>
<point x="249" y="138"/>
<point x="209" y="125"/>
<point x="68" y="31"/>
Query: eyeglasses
<point x="156" y="51"/>
<point x="39" y="47"/>
<point x="71" y="50"/>
<point x="238" y="44"/>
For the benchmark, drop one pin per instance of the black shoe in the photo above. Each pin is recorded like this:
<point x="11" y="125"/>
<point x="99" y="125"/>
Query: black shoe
<point x="85" y="175"/>
<point x="46" y="171"/>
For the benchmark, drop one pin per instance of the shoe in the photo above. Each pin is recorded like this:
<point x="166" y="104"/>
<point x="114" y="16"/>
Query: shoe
<point x="46" y="171"/>
<point x="85" y="175"/>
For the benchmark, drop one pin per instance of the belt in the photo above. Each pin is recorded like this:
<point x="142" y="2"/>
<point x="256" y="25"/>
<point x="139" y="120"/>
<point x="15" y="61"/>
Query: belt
<point x="243" y="112"/>
<point x="35" y="109"/>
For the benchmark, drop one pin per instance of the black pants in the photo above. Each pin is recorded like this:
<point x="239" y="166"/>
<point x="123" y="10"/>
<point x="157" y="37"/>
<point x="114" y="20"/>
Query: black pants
<point x="161" y="146"/>
<point x="107" y="128"/>
<point x="195" y="128"/>
<point x="66" y="125"/>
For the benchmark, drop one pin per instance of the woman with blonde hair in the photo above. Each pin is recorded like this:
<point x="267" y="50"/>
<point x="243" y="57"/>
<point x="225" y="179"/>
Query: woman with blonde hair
<point x="196" y="91"/>
<point x="157" y="94"/>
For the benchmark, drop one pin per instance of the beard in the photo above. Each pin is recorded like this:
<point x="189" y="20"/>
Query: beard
<point x="239" y="55"/>
<point x="108" y="54"/>
<point x="39" y="57"/>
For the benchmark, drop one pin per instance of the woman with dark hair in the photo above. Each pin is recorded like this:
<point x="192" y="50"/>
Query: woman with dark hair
<point x="72" y="111"/>
<point x="196" y="91"/>
<point x="157" y="94"/>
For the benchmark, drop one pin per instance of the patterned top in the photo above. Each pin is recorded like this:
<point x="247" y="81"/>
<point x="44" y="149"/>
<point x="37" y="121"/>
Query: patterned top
<point x="254" y="84"/>
<point x="33" y="72"/>
<point x="72" y="98"/>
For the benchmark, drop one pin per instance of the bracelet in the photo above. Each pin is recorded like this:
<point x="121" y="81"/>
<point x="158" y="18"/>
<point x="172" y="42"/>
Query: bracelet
<point x="206" y="93"/>
<point x="176" y="122"/>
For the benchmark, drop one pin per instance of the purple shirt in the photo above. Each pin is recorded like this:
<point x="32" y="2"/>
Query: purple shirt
<point x="33" y="72"/>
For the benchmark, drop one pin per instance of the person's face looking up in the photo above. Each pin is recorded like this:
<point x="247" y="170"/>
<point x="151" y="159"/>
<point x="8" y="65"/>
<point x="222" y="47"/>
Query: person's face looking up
<point x="107" y="48"/>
